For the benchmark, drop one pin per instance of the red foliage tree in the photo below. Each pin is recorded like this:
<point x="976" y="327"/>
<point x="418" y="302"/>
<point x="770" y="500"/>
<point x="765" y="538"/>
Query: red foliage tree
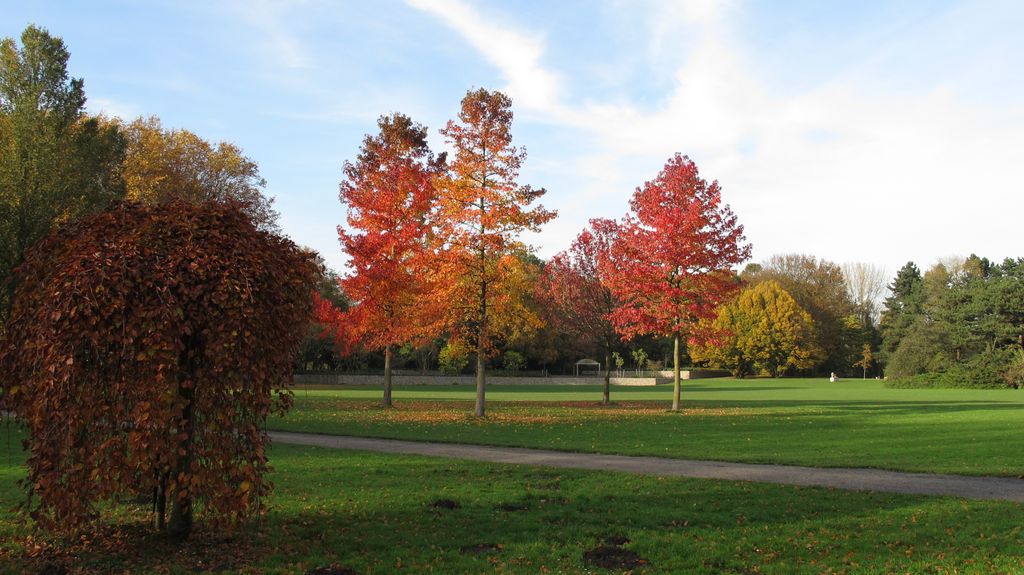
<point x="146" y="347"/>
<point x="329" y="319"/>
<point x="389" y="194"/>
<point x="581" y="303"/>
<point x="482" y="212"/>
<point x="671" y="262"/>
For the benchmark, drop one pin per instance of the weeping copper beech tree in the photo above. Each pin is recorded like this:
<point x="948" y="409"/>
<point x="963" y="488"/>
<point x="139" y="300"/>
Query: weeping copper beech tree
<point x="146" y="346"/>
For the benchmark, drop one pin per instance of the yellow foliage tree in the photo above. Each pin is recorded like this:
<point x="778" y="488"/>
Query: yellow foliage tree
<point x="161" y="165"/>
<point x="763" y="330"/>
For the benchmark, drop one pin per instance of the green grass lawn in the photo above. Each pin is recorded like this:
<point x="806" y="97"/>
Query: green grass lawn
<point x="852" y="423"/>
<point x="375" y="513"/>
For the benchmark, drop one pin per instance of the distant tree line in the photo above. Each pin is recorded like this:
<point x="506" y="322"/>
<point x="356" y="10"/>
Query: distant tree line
<point x="958" y="325"/>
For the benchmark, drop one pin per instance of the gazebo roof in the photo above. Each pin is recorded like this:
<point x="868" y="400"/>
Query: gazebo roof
<point x="587" y="361"/>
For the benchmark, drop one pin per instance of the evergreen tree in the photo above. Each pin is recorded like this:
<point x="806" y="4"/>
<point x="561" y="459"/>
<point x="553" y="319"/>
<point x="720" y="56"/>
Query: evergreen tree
<point x="902" y="308"/>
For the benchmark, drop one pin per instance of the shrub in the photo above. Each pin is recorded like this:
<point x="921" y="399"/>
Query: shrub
<point x="984" y="371"/>
<point x="453" y="358"/>
<point x="1014" y="373"/>
<point x="513" y="361"/>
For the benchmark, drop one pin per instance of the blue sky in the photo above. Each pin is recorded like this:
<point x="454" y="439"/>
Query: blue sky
<point x="878" y="132"/>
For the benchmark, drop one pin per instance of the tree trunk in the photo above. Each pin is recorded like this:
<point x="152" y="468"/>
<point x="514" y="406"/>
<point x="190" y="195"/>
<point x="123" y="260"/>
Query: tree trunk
<point x="481" y="337"/>
<point x="387" y="376"/>
<point x="180" y="524"/>
<point x="480" y="379"/>
<point x="160" y="502"/>
<point x="607" y="376"/>
<point x="675" y="374"/>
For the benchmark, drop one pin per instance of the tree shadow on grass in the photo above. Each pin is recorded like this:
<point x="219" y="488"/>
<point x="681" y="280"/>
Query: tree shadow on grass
<point x="373" y="512"/>
<point x="861" y="405"/>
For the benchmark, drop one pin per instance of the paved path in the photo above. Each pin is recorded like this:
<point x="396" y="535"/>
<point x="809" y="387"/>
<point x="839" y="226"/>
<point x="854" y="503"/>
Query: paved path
<point x="1001" y="488"/>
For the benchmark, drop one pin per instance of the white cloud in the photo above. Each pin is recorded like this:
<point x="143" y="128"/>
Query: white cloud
<point x="848" y="170"/>
<point x="274" y="36"/>
<point x="516" y="54"/>
<point x="112" y="108"/>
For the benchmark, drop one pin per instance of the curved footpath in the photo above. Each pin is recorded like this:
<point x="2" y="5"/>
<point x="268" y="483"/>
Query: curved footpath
<point x="1000" y="488"/>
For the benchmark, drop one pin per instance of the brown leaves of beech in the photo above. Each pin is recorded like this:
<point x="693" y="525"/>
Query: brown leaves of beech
<point x="146" y="346"/>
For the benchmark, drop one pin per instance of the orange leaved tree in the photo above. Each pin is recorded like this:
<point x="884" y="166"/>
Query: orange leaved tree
<point x="670" y="264"/>
<point x="146" y="347"/>
<point x="483" y="210"/>
<point x="389" y="195"/>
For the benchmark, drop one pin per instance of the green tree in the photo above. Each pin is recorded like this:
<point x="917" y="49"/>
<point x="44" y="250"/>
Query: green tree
<point x="923" y="349"/>
<point x="453" y="358"/>
<point x="56" y="164"/>
<point x="640" y="359"/>
<point x="513" y="361"/>
<point x="962" y="322"/>
<point x="763" y="330"/>
<point x="901" y="309"/>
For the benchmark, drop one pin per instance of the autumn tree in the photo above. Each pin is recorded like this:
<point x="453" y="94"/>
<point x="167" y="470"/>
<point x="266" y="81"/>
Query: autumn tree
<point x="820" y="288"/>
<point x="163" y="336"/>
<point x="165" y="164"/>
<point x="670" y="264"/>
<point x="390" y="198"/>
<point x="867" y="357"/>
<point x="763" y="330"/>
<point x="56" y="164"/>
<point x="518" y="317"/>
<point x="326" y="336"/>
<point x="483" y="210"/>
<point x="581" y="302"/>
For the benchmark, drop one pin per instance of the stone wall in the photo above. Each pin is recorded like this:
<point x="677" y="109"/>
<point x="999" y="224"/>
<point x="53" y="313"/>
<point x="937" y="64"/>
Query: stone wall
<point x="347" y="379"/>
<point x="699" y="373"/>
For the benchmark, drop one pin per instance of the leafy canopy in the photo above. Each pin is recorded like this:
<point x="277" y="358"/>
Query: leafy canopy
<point x="390" y="199"/>
<point x="671" y="261"/>
<point x="163" y="336"/>
<point x="56" y="164"/>
<point x="763" y="330"/>
<point x="166" y="164"/>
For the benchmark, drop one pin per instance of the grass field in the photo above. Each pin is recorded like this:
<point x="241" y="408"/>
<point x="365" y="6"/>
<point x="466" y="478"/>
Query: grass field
<point x="852" y="423"/>
<point x="359" y="512"/>
<point x="374" y="513"/>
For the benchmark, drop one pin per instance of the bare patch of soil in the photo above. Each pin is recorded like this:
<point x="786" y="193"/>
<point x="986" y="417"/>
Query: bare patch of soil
<point x="445" y="504"/>
<point x="613" y="557"/>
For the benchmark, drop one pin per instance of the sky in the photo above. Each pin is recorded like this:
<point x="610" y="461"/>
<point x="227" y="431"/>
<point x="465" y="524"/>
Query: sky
<point x="877" y="132"/>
